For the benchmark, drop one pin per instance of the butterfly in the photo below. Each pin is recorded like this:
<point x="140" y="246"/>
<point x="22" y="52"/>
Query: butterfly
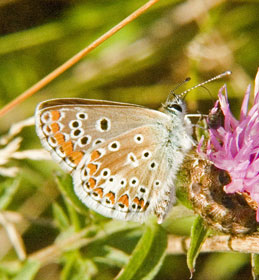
<point x="123" y="158"/>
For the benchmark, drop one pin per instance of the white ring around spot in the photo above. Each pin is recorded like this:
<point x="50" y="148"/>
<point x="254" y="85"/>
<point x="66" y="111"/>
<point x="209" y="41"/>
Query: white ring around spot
<point x="73" y="131"/>
<point x="138" y="138"/>
<point x="98" y="141"/>
<point x="74" y="124"/>
<point x="132" y="183"/>
<point x="105" y="122"/>
<point x="45" y="117"/>
<point x="82" y="116"/>
<point x="146" y="154"/>
<point x="114" y="146"/>
<point x="106" y="172"/>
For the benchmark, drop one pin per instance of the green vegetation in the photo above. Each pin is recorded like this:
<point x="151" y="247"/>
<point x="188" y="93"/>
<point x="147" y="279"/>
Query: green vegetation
<point x="140" y="64"/>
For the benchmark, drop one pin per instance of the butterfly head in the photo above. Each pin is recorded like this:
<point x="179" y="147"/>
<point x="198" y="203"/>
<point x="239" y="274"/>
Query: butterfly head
<point x="175" y="106"/>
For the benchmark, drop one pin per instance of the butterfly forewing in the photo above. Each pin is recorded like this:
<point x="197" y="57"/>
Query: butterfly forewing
<point x="70" y="128"/>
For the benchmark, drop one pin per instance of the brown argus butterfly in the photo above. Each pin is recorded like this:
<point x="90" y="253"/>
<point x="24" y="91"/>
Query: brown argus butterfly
<point x="123" y="157"/>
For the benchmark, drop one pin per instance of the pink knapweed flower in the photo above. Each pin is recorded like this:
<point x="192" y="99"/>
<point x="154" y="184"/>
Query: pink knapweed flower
<point x="234" y="144"/>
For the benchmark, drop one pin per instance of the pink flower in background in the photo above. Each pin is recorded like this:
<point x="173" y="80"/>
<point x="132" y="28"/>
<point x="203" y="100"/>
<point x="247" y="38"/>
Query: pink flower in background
<point x="234" y="144"/>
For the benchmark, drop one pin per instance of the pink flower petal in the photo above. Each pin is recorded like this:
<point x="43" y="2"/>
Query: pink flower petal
<point x="234" y="147"/>
<point x="256" y="89"/>
<point x="245" y="102"/>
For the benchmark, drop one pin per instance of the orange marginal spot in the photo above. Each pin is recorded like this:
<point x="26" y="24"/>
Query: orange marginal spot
<point x="60" y="138"/>
<point x="55" y="127"/>
<point x="95" y="155"/>
<point x="136" y="200"/>
<point x="92" y="182"/>
<point x="99" y="191"/>
<point x="67" y="148"/>
<point x="141" y="203"/>
<point x="111" y="196"/>
<point x="92" y="167"/>
<point x="76" y="156"/>
<point x="55" y="115"/>
<point x="124" y="199"/>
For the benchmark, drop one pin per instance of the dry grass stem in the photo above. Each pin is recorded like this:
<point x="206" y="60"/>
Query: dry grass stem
<point x="14" y="237"/>
<point x="68" y="64"/>
<point x="32" y="207"/>
<point x="217" y="243"/>
<point x="11" y="152"/>
<point x="15" y="129"/>
<point x="176" y="245"/>
<point x="36" y="154"/>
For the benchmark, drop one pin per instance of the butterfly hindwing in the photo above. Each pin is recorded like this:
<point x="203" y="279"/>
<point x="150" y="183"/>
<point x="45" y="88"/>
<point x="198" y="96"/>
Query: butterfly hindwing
<point x="126" y="177"/>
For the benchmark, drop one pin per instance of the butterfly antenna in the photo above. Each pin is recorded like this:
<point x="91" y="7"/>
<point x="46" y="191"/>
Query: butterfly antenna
<point x="172" y="92"/>
<point x="183" y="94"/>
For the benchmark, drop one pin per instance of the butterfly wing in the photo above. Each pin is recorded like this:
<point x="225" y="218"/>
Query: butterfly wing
<point x="127" y="177"/>
<point x="123" y="157"/>
<point x="69" y="128"/>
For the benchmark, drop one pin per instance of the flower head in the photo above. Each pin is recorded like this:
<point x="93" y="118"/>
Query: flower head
<point x="234" y="144"/>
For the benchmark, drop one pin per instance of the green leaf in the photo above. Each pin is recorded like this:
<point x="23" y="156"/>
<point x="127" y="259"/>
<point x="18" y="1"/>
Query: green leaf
<point x="198" y="236"/>
<point x="223" y="265"/>
<point x="148" y="255"/>
<point x="28" y="271"/>
<point x="66" y="187"/>
<point x="113" y="257"/>
<point x="74" y="217"/>
<point x="60" y="217"/>
<point x="7" y="191"/>
<point x="76" y="268"/>
<point x="255" y="266"/>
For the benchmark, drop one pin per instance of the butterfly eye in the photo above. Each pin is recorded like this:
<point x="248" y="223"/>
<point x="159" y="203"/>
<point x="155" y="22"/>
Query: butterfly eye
<point x="176" y="107"/>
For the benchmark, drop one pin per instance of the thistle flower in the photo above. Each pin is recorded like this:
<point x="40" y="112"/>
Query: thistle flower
<point x="234" y="144"/>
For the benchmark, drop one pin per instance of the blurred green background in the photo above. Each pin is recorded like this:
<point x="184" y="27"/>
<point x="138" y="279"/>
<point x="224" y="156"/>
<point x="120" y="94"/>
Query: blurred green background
<point x="141" y="64"/>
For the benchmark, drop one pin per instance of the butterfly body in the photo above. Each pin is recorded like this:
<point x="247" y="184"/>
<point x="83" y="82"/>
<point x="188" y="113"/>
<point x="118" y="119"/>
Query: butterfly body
<point x="123" y="157"/>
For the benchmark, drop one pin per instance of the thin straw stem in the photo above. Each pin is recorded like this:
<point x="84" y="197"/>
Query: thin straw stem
<point x="68" y="64"/>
